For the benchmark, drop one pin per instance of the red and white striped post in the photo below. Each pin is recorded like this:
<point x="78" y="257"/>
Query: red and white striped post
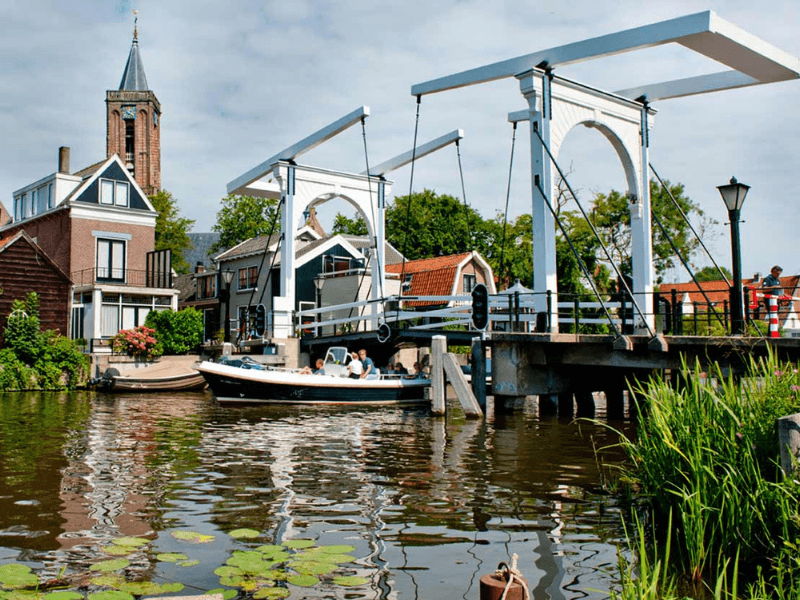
<point x="772" y="306"/>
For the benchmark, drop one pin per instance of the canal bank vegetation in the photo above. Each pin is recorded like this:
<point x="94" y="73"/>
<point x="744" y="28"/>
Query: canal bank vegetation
<point x="718" y="517"/>
<point x="31" y="359"/>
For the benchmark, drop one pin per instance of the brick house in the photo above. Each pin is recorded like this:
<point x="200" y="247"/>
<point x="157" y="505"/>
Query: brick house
<point x="25" y="268"/>
<point x="98" y="226"/>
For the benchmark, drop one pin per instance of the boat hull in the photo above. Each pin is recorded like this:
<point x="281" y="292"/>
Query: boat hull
<point x="178" y="383"/>
<point x="234" y="385"/>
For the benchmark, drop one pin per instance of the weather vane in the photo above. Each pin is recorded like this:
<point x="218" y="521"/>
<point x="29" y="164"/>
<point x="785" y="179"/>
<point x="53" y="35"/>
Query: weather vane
<point x="135" y="23"/>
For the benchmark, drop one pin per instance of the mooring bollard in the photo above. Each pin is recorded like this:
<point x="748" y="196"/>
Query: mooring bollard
<point x="506" y="583"/>
<point x="772" y="304"/>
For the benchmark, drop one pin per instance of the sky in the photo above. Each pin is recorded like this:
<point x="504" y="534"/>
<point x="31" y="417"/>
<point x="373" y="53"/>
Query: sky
<point x="240" y="80"/>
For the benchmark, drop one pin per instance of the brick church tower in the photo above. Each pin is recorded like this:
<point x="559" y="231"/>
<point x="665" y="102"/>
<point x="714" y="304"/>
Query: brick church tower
<point x="133" y="128"/>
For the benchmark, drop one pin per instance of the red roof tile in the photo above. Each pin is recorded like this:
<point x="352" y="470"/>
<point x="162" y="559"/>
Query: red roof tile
<point x="430" y="276"/>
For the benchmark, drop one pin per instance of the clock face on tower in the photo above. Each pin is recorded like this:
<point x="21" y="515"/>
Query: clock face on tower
<point x="128" y="112"/>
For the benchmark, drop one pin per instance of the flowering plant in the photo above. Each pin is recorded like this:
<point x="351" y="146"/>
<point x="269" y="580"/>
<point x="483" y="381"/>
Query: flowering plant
<point x="139" y="341"/>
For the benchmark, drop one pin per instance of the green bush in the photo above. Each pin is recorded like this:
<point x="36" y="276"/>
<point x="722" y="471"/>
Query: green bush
<point x="177" y="332"/>
<point x="32" y="359"/>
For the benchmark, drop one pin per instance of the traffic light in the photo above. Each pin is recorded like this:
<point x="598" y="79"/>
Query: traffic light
<point x="261" y="320"/>
<point x="480" y="306"/>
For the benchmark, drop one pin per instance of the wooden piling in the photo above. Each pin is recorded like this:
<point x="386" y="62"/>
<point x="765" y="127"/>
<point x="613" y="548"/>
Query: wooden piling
<point x="438" y="348"/>
<point x="468" y="401"/>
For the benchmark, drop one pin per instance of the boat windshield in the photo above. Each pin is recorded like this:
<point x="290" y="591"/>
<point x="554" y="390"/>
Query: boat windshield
<point x="337" y="355"/>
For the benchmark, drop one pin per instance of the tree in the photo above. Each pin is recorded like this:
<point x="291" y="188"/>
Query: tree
<point x="172" y="230"/>
<point x="710" y="273"/>
<point x="435" y="225"/>
<point x="611" y="217"/>
<point x="346" y="226"/>
<point x="242" y="218"/>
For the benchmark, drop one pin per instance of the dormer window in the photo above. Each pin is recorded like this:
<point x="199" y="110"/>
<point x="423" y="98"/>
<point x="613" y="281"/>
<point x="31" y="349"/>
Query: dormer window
<point x="114" y="193"/>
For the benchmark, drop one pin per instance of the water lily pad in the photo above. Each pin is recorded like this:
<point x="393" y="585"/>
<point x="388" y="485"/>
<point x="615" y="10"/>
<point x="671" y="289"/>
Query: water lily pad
<point x="65" y="595"/>
<point x="269" y="549"/>
<point x="111" y="580"/>
<point x="244" y="533"/>
<point x="150" y="588"/>
<point x="108" y="566"/>
<point x="118" y="550"/>
<point x="171" y="557"/>
<point x="236" y="581"/>
<point x="250" y="562"/>
<point x="303" y="580"/>
<point x="275" y="557"/>
<point x="341" y="549"/>
<point x="226" y="594"/>
<point x="297" y="544"/>
<point x="325" y="557"/>
<point x="14" y="575"/>
<point x="192" y="536"/>
<point x="135" y="542"/>
<point x="308" y="567"/>
<point x="110" y="595"/>
<point x="271" y="593"/>
<point x="350" y="580"/>
<point x="188" y="563"/>
<point x="227" y="571"/>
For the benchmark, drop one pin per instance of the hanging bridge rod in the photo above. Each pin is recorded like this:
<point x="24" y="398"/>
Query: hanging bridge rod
<point x="620" y="278"/>
<point x="464" y="196"/>
<point x="410" y="188"/>
<point x="508" y="195"/>
<point x="689" y="223"/>
<point x="577" y="256"/>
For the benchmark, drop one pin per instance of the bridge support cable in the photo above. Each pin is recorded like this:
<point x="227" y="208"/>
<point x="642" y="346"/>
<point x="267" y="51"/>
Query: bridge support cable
<point x="374" y="240"/>
<point x="620" y="278"/>
<point x="578" y="257"/>
<point x="688" y="268"/>
<point x="508" y="195"/>
<point x="688" y="222"/>
<point x="464" y="197"/>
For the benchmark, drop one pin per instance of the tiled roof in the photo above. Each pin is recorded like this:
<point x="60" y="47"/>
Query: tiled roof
<point x="430" y="276"/>
<point x="248" y="247"/>
<point x="89" y="171"/>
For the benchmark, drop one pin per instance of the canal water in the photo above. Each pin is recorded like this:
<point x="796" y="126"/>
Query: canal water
<point x="424" y="506"/>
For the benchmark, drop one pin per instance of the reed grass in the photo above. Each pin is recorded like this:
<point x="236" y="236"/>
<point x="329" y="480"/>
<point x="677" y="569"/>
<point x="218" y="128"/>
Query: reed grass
<point x="705" y="464"/>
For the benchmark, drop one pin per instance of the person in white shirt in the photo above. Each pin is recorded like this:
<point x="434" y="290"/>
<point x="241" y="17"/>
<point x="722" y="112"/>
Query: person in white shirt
<point x="355" y="367"/>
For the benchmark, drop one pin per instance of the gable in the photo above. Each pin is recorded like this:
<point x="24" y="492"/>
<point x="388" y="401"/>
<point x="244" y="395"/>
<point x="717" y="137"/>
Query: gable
<point x="116" y="173"/>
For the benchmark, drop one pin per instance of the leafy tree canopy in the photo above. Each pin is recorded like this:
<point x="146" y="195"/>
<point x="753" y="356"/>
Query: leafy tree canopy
<point x="172" y="230"/>
<point x="244" y="217"/>
<point x="710" y="273"/>
<point x="347" y="226"/>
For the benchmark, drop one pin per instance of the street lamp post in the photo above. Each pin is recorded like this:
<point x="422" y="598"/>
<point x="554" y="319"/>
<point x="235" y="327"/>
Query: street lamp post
<point x="319" y="281"/>
<point x="733" y="195"/>
<point x="227" y="277"/>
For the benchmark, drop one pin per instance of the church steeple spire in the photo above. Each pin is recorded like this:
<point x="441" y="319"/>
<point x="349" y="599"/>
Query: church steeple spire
<point x="133" y="78"/>
<point x="133" y="117"/>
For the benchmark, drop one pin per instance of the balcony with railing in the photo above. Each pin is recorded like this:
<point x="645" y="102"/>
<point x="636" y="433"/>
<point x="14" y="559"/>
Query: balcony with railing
<point x="123" y="277"/>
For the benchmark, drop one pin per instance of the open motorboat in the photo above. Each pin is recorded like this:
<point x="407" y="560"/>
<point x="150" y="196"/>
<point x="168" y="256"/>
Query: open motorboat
<point x="246" y="381"/>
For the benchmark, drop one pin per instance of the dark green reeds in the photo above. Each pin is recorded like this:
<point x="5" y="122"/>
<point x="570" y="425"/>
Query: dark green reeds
<point x="705" y="464"/>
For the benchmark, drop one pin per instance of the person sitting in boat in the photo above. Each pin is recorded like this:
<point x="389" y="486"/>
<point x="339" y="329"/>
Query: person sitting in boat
<point x="369" y="371"/>
<point x="399" y="369"/>
<point x="390" y="369"/>
<point x="418" y="373"/>
<point x="355" y="367"/>
<point x="319" y="370"/>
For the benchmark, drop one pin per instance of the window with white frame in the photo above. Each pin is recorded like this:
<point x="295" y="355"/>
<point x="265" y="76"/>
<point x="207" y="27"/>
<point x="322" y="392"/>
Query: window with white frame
<point x="111" y="259"/>
<point x="51" y="199"/>
<point x="469" y="281"/>
<point x="114" y="193"/>
<point x="34" y="201"/>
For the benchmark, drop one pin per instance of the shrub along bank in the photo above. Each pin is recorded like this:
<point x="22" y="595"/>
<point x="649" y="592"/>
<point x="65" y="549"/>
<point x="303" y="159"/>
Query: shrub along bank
<point x="706" y="466"/>
<point x="38" y="360"/>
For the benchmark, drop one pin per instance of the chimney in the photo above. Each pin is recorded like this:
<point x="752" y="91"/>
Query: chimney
<point x="63" y="159"/>
<point x="199" y="267"/>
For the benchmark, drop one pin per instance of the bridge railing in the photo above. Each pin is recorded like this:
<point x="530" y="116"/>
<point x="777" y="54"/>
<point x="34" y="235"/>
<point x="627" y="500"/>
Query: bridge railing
<point x="520" y="312"/>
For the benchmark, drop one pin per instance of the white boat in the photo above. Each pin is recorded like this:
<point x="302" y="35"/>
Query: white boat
<point x="246" y="381"/>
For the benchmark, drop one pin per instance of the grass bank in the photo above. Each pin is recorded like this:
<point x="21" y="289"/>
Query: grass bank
<point x="716" y="517"/>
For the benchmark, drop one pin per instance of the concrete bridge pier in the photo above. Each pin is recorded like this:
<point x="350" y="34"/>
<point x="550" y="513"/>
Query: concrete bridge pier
<point x="585" y="402"/>
<point x="566" y="405"/>
<point x="615" y="403"/>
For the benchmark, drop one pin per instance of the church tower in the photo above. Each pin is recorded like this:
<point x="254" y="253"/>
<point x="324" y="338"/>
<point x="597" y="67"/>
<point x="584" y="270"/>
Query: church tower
<point x="133" y="128"/>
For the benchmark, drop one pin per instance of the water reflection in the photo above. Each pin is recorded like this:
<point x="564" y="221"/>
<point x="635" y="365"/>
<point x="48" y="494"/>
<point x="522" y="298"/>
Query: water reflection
<point x="430" y="504"/>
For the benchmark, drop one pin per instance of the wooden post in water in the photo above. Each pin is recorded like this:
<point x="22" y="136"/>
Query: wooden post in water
<point x="789" y="442"/>
<point x="460" y="386"/>
<point x="438" y="348"/>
